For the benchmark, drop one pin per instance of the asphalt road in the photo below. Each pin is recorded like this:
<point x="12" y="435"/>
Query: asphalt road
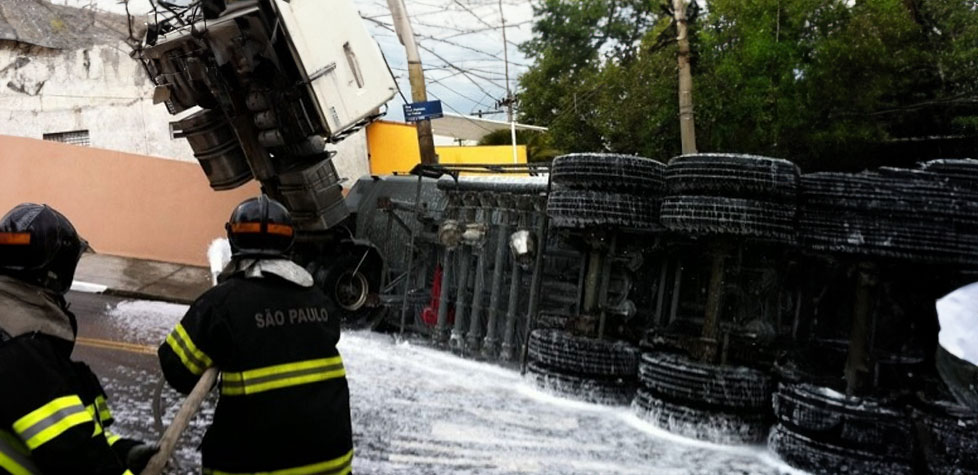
<point x="121" y="350"/>
<point x="415" y="410"/>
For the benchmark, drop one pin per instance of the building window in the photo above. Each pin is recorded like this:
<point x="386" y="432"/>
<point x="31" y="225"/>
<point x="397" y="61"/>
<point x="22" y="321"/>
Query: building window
<point x="74" y="137"/>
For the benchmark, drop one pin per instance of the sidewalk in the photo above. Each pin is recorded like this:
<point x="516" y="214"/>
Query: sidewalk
<point x="142" y="279"/>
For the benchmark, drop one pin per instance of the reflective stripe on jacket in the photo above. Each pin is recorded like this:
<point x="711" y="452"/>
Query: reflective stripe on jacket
<point x="15" y="457"/>
<point x="284" y="397"/>
<point x="51" y="423"/>
<point x="338" y="466"/>
<point x="281" y="376"/>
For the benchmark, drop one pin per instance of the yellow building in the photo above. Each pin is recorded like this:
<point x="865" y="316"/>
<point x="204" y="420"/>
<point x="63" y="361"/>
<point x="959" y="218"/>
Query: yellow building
<point x="393" y="147"/>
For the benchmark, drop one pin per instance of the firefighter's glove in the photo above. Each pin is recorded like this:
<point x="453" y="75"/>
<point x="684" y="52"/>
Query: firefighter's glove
<point x="139" y="456"/>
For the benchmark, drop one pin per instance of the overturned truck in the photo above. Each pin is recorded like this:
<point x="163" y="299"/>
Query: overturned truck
<point x="724" y="297"/>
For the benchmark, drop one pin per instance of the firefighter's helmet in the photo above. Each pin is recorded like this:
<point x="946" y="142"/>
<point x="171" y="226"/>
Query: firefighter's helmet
<point x="260" y="227"/>
<point x="40" y="246"/>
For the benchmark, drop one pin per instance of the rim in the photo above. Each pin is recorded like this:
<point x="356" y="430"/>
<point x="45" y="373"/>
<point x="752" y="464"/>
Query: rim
<point x="352" y="290"/>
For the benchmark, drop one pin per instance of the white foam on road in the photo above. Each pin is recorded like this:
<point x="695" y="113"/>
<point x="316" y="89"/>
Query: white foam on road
<point x="420" y="410"/>
<point x="88" y="287"/>
<point x="144" y="321"/>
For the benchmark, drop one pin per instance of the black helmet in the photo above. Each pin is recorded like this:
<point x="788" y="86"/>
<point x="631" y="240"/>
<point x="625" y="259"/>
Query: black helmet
<point x="260" y="227"/>
<point x="39" y="245"/>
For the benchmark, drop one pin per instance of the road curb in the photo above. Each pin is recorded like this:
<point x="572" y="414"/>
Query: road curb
<point x="93" y="288"/>
<point x="135" y="294"/>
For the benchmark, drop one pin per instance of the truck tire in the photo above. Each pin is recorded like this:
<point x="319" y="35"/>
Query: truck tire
<point x="612" y="392"/>
<point x="962" y="171"/>
<point x="610" y="172"/>
<point x="895" y="192"/>
<point x="923" y="240"/>
<point x="705" y="215"/>
<point x="682" y="379"/>
<point x="579" y="209"/>
<point x="866" y="424"/>
<point x="562" y="351"/>
<point x="819" y="457"/>
<point x="741" y="176"/>
<point x="348" y="287"/>
<point x="947" y="434"/>
<point x="712" y="425"/>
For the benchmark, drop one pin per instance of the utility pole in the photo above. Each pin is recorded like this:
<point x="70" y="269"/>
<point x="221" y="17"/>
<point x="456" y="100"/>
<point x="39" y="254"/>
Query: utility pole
<point x="509" y="94"/>
<point x="402" y="25"/>
<point x="687" y="127"/>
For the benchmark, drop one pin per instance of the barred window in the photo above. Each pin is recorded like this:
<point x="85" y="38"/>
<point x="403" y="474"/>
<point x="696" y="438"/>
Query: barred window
<point x="74" y="137"/>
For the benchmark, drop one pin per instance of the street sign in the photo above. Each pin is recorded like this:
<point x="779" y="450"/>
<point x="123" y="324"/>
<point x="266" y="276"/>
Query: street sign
<point x="418" y="111"/>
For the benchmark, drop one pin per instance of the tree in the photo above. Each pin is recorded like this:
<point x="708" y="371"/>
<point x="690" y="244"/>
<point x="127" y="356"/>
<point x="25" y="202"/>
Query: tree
<point x="830" y="84"/>
<point x="573" y="41"/>
<point x="539" y="145"/>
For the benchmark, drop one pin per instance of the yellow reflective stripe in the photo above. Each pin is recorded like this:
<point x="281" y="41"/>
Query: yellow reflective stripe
<point x="338" y="466"/>
<point x="104" y="413"/>
<point x="14" y="456"/>
<point x="192" y="357"/>
<point x="98" y="427"/>
<point x="10" y="441"/>
<point x="281" y="376"/>
<point x="51" y="420"/>
<point x="10" y="465"/>
<point x="112" y="438"/>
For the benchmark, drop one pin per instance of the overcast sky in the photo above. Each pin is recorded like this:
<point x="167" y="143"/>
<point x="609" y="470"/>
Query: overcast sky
<point x="461" y="47"/>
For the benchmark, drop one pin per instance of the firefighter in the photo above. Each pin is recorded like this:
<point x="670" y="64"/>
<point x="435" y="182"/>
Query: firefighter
<point x="284" y="400"/>
<point x="53" y="412"/>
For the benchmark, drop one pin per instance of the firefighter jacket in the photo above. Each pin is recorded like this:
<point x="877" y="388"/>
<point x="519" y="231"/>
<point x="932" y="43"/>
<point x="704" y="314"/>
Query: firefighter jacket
<point x="284" y="401"/>
<point x="53" y="411"/>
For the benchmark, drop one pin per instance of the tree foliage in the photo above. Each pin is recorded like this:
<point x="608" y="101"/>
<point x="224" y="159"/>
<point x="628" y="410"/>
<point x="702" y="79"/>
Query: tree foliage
<point x="828" y="83"/>
<point x="539" y="145"/>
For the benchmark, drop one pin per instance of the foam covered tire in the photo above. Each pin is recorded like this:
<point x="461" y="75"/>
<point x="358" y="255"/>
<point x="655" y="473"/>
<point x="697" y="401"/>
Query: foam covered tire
<point x="963" y="171"/>
<point x="565" y="352"/>
<point x="698" y="423"/>
<point x="579" y="209"/>
<point x="614" y="392"/>
<point x="744" y="176"/>
<point x="893" y="192"/>
<point x="858" y="423"/>
<point x="818" y="457"/>
<point x="948" y="437"/>
<point x="680" y="378"/>
<point x="612" y="172"/>
<point x="730" y="216"/>
<point x="926" y="239"/>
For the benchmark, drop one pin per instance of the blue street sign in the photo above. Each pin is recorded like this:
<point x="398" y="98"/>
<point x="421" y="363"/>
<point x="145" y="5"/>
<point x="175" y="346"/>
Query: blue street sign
<point x="417" y="111"/>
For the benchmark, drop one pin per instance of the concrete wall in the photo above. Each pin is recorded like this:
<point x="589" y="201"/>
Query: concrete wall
<point x="99" y="89"/>
<point x="102" y="90"/>
<point x="124" y="204"/>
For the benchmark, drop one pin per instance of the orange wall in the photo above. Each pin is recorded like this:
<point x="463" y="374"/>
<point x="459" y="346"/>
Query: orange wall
<point x="394" y="147"/>
<point x="123" y="204"/>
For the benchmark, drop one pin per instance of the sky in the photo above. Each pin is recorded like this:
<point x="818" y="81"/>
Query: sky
<point x="461" y="47"/>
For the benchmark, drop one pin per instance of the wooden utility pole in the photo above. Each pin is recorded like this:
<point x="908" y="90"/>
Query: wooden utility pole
<point x="402" y="25"/>
<point x="687" y="127"/>
<point x="509" y="94"/>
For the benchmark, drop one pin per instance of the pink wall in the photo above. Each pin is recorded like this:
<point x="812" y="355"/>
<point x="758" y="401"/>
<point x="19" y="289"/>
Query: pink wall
<point x="123" y="204"/>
